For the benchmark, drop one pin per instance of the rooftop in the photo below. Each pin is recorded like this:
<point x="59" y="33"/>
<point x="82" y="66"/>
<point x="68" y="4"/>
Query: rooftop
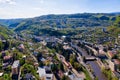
<point x="29" y="76"/>
<point x="41" y="72"/>
<point x="7" y="57"/>
<point x="49" y="76"/>
<point x="15" y="64"/>
<point x="116" y="61"/>
<point x="1" y="73"/>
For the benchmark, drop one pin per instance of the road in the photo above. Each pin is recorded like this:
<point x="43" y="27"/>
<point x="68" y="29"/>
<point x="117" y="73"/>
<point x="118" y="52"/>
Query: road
<point x="94" y="51"/>
<point x="62" y="58"/>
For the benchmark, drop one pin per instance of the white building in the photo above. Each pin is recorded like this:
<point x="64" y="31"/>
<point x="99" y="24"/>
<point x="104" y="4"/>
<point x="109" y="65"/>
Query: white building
<point x="15" y="67"/>
<point x="111" y="65"/>
<point x="44" y="76"/>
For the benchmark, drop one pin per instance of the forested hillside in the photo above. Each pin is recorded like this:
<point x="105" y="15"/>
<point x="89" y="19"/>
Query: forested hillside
<point x="11" y="23"/>
<point x="67" y="21"/>
<point x="4" y="32"/>
<point x="50" y="24"/>
<point x="115" y="28"/>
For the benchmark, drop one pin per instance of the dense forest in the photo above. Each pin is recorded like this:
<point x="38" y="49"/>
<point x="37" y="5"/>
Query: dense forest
<point x="4" y="32"/>
<point x="61" y="24"/>
<point x="63" y="21"/>
<point x="67" y="21"/>
<point x="115" y="28"/>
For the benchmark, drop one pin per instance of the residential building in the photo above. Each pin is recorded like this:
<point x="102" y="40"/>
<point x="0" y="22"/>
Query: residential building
<point x="42" y="73"/>
<point x="117" y="64"/>
<point x="118" y="36"/>
<point x="7" y="59"/>
<point x="110" y="54"/>
<point x="28" y="76"/>
<point x="50" y="77"/>
<point x="15" y="67"/>
<point x="3" y="54"/>
<point x="111" y="65"/>
<point x="45" y="76"/>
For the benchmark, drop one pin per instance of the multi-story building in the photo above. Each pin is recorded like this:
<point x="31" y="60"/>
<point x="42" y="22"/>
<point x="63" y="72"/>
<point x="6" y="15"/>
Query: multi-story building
<point x="15" y="67"/>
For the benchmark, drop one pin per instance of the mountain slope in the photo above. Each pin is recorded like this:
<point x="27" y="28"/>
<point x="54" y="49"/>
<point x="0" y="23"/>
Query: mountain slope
<point x="52" y="22"/>
<point x="115" y="28"/>
<point x="4" y="32"/>
<point x="66" y="21"/>
<point x="11" y="23"/>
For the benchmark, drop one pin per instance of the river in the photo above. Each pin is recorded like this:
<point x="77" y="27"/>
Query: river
<point x="94" y="65"/>
<point x="97" y="70"/>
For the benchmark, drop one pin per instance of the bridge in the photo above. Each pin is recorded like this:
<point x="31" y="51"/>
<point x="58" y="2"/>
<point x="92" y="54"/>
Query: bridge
<point x="94" y="51"/>
<point x="90" y="58"/>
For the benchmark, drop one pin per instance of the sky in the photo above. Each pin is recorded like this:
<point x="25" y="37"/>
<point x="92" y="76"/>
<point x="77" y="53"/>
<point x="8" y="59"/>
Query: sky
<point x="32" y="8"/>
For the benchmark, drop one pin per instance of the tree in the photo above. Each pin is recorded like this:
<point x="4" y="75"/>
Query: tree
<point x="29" y="68"/>
<point x="117" y="22"/>
<point x="60" y="66"/>
<point x="65" y="78"/>
<point x="22" y="61"/>
<point x="115" y="78"/>
<point x="6" y="77"/>
<point x="54" y="67"/>
<point x="72" y="59"/>
<point x="96" y="78"/>
<point x="77" y="66"/>
<point x="108" y="74"/>
<point x="1" y="46"/>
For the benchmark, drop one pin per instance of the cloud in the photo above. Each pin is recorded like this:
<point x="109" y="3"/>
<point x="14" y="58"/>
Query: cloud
<point x="12" y="2"/>
<point x="41" y="1"/>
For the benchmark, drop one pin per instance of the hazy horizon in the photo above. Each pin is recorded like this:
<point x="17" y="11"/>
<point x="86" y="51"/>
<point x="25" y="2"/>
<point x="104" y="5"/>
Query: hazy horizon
<point x="11" y="9"/>
<point x="55" y="14"/>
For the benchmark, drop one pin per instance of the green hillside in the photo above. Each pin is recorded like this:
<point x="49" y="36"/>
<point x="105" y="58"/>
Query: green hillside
<point x="48" y="22"/>
<point x="10" y="22"/>
<point x="4" y="32"/>
<point x="115" y="28"/>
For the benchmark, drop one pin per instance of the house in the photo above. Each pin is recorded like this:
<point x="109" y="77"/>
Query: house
<point x="3" y="54"/>
<point x="104" y="30"/>
<point x="24" y="56"/>
<point x="36" y="64"/>
<point x="50" y="77"/>
<point x="67" y="64"/>
<point x="60" y="73"/>
<point x="111" y="65"/>
<point x="38" y="38"/>
<point x="1" y="74"/>
<point x="21" y="47"/>
<point x="102" y="54"/>
<point x="117" y="64"/>
<point x="7" y="59"/>
<point x="30" y="43"/>
<point x="51" y="39"/>
<point x="43" y="43"/>
<point x="15" y="70"/>
<point x="42" y="73"/>
<point x="118" y="36"/>
<point x="15" y="67"/>
<point x="45" y="76"/>
<point x="66" y="47"/>
<point x="35" y="53"/>
<point x="116" y="61"/>
<point x="43" y="59"/>
<point x="110" y="54"/>
<point x="28" y="76"/>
